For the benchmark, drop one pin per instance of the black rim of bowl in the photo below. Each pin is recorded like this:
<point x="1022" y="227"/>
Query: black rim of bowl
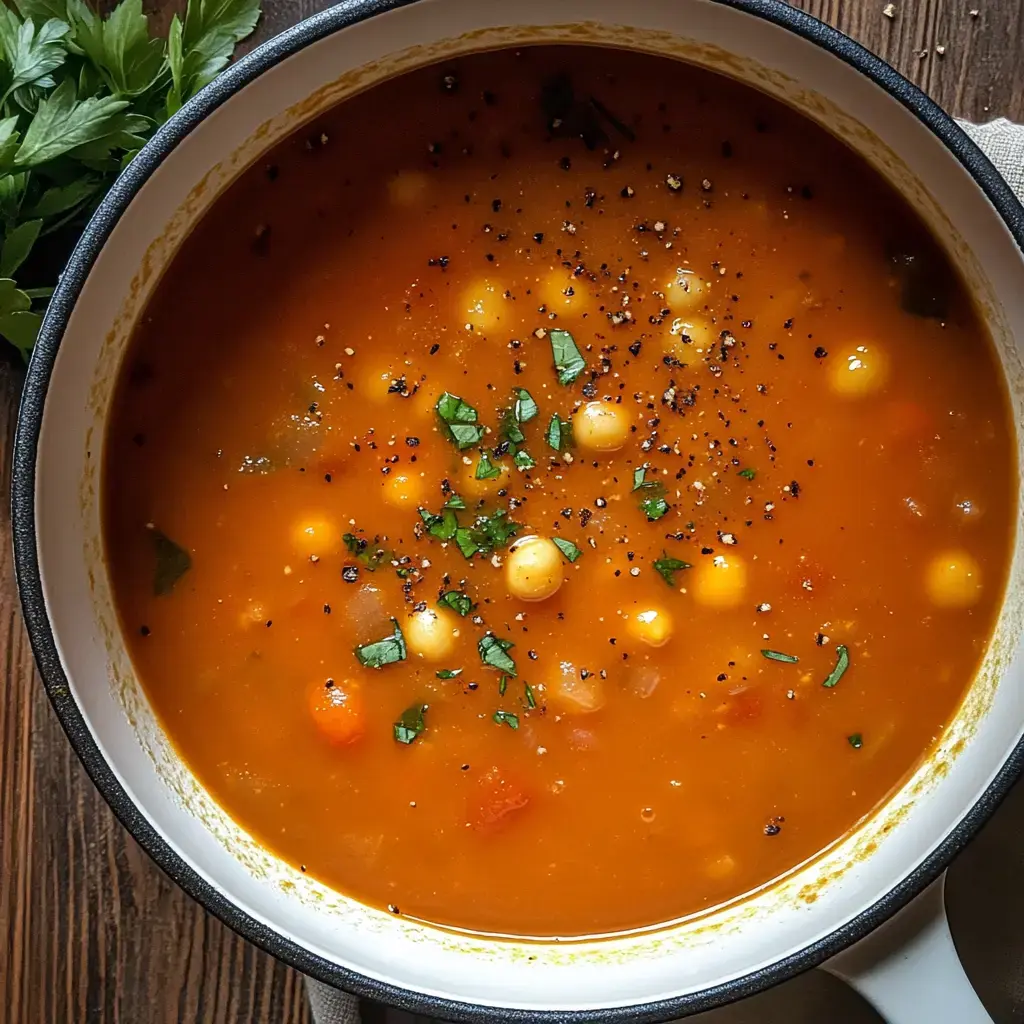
<point x="27" y="566"/>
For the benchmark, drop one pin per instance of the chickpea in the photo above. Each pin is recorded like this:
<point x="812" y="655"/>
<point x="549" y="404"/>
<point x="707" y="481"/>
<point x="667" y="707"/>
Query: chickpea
<point x="686" y="291"/>
<point x="652" y="626"/>
<point x="408" y="188"/>
<point x="482" y="305"/>
<point x="431" y="633"/>
<point x="533" y="569"/>
<point x="953" y="580"/>
<point x="720" y="582"/>
<point x="404" y="489"/>
<point x="601" y="426"/>
<point x="338" y="710"/>
<point x="687" y="336"/>
<point x="570" y="693"/>
<point x="858" y="371"/>
<point x="315" y="534"/>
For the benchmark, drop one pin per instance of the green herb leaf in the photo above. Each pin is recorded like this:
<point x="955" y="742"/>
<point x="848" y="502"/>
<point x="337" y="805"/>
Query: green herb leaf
<point x="842" y="664"/>
<point x="506" y="718"/>
<point x="747" y="474"/>
<point x="120" y="47"/>
<point x="525" y="407"/>
<point x="172" y="562"/>
<point x="855" y="740"/>
<point x="448" y="673"/>
<point x="457" y="601"/>
<point x="502" y="685"/>
<point x="667" y="567"/>
<point x="465" y="541"/>
<point x="460" y="418"/>
<point x="411" y="723"/>
<point x="531" y="700"/>
<point x="454" y="501"/>
<point x="367" y="553"/>
<point x="654" y="508"/>
<point x="383" y="652"/>
<point x="442" y="526"/>
<point x="640" y="478"/>
<point x="21" y="329"/>
<point x="567" y="548"/>
<point x="559" y="433"/>
<point x="789" y="659"/>
<point x="523" y="459"/>
<point x="569" y="363"/>
<point x="494" y="652"/>
<point x="485" y="469"/>
<point x="63" y="124"/>
<point x="17" y="245"/>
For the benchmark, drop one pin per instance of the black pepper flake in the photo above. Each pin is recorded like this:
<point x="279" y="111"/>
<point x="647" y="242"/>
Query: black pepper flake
<point x="627" y="192"/>
<point x="392" y="909"/>
<point x="144" y="630"/>
<point x="327" y="609"/>
<point x="565" y="163"/>
<point x="771" y="829"/>
<point x="589" y="195"/>
<point x="590" y="389"/>
<point x="794" y="489"/>
<point x="350" y="573"/>
<point x="820" y="353"/>
<point x="440" y="261"/>
<point x="449" y="82"/>
<point x="434" y="348"/>
<point x="496" y="205"/>
<point x="635" y="348"/>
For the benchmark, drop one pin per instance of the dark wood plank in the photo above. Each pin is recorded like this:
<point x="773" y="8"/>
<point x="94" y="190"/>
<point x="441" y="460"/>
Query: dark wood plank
<point x="94" y="932"/>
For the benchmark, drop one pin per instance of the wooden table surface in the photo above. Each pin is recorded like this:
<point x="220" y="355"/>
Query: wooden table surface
<point x="94" y="931"/>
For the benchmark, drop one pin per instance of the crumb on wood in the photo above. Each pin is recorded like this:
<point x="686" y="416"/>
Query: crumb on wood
<point x="889" y="10"/>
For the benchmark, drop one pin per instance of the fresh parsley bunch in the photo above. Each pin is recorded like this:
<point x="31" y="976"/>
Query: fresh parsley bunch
<point x="80" y="96"/>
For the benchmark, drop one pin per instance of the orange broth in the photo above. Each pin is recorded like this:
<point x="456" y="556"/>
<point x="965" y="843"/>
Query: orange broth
<point x="790" y="393"/>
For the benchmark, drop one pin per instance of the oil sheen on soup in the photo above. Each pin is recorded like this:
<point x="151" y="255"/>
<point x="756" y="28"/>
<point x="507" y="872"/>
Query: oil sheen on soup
<point x="557" y="493"/>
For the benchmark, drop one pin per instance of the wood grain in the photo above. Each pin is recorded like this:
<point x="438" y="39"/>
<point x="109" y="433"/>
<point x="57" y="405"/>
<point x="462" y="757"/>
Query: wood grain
<point x="94" y="931"/>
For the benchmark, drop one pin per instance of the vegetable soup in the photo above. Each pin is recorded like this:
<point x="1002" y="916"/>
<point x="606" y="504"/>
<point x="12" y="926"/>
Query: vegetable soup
<point x="557" y="492"/>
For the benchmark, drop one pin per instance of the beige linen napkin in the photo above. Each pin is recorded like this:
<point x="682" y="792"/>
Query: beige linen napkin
<point x="984" y="896"/>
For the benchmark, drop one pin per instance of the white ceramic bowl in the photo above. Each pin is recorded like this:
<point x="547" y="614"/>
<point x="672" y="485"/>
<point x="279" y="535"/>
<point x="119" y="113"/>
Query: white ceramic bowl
<point x="791" y="925"/>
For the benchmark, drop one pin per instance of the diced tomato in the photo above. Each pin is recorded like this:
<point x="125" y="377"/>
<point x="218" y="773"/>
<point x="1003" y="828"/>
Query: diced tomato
<point x="338" y="711"/>
<point x="497" y="797"/>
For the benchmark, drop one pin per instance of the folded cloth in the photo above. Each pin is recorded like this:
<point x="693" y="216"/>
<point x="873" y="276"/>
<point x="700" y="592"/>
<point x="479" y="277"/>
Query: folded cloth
<point x="1002" y="142"/>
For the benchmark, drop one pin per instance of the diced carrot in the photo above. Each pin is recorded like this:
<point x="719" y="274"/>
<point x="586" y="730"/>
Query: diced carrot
<point x="338" y="711"/>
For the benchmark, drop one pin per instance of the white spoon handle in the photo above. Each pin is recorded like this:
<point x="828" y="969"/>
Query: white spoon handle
<point x="908" y="968"/>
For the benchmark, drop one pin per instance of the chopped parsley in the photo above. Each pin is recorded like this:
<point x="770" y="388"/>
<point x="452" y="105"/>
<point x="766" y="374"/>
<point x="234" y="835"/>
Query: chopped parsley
<point x="567" y="548"/>
<point x="525" y="408"/>
<point x="457" y="601"/>
<point x="559" y="433"/>
<point x="448" y="673"/>
<point x="789" y="659"/>
<point x="640" y="478"/>
<point x="460" y="419"/>
<point x="747" y="474"/>
<point x="506" y="718"/>
<point x="487" y="534"/>
<point x="494" y="652"/>
<point x="654" y="508"/>
<point x="531" y="701"/>
<point x="442" y="526"/>
<point x="523" y="459"/>
<point x="666" y="567"/>
<point x="383" y="652"/>
<point x="454" y="501"/>
<point x="369" y="555"/>
<point x="485" y="469"/>
<point x="569" y="363"/>
<point x="172" y="562"/>
<point x="411" y="723"/>
<point x="855" y="740"/>
<point x="842" y="664"/>
<point x="502" y="685"/>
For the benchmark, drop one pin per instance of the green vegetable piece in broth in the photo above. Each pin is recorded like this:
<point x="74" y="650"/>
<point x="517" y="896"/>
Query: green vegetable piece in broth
<point x="172" y="562"/>
<point x="569" y="362"/>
